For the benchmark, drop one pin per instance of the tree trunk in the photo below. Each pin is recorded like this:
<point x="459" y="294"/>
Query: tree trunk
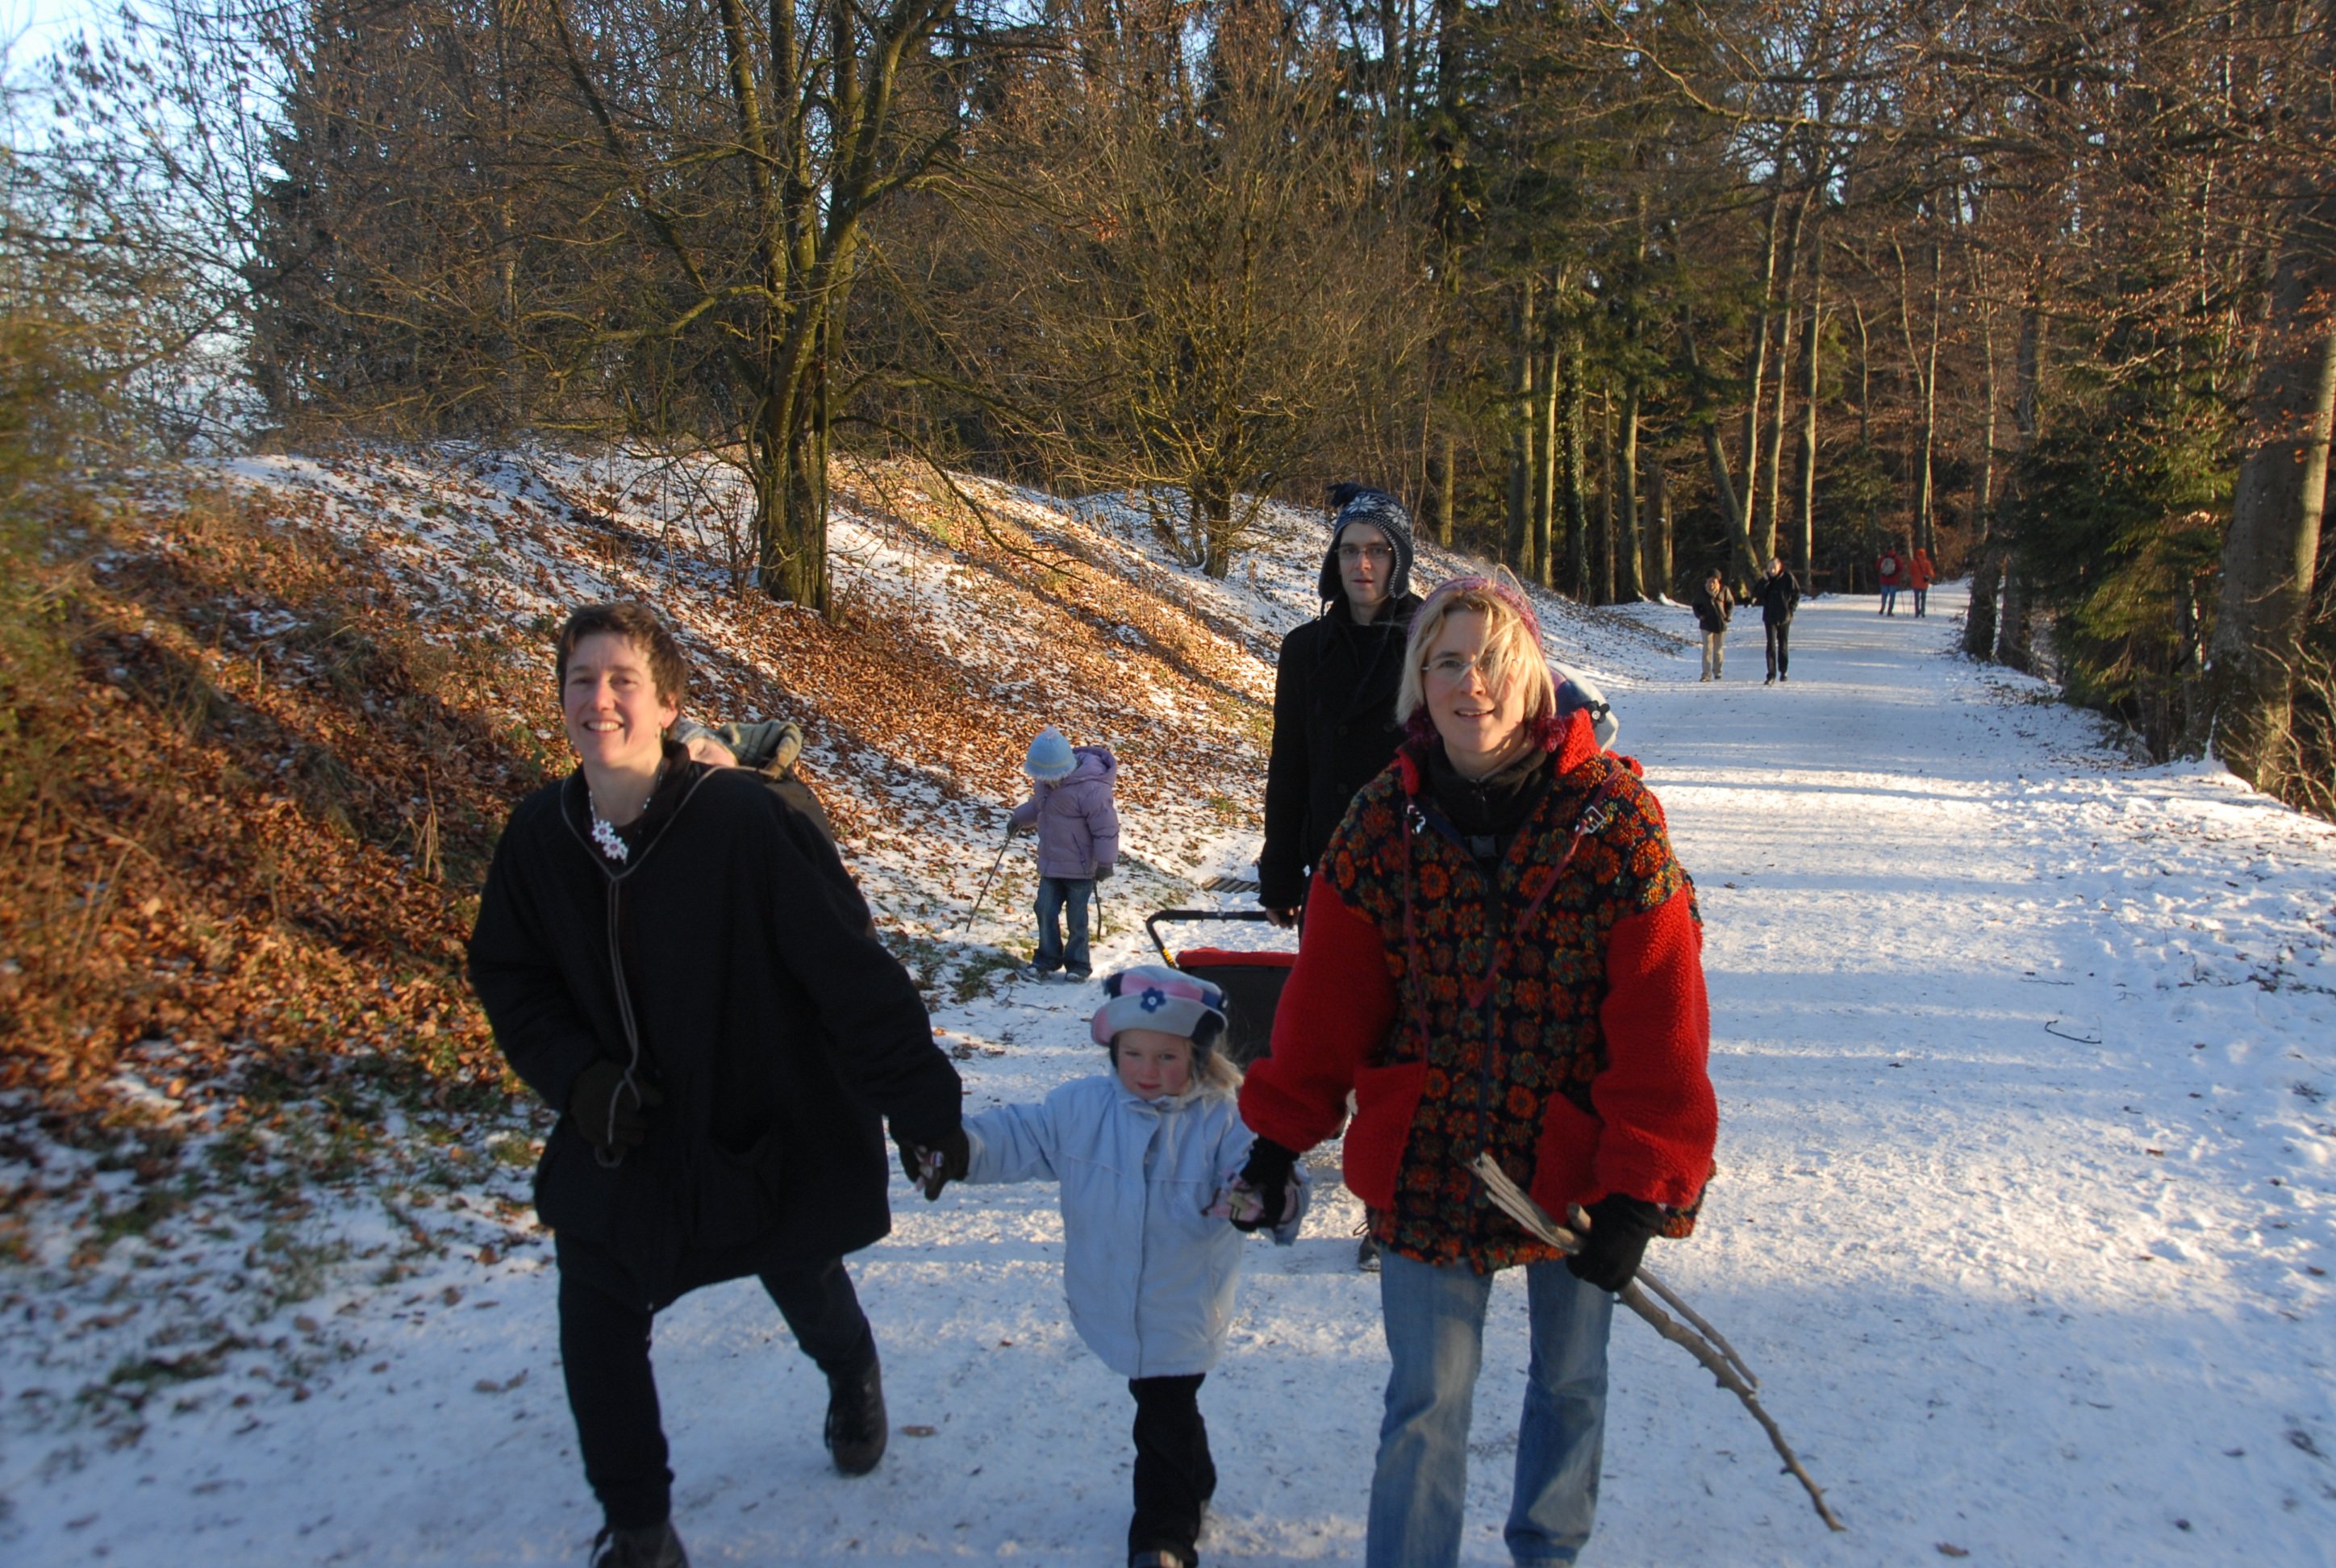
<point x="2272" y="549"/>
<point x="1517" y="547"/>
<point x="1545" y="480"/>
<point x="1757" y="379"/>
<point x="2012" y="630"/>
<point x="1436" y="493"/>
<point x="1788" y="317"/>
<point x="1577" y="501"/>
<point x="1665" y="570"/>
<point x="1606" y="493"/>
<point x="1634" y="562"/>
<point x="1809" y="388"/>
<point x="1731" y="510"/>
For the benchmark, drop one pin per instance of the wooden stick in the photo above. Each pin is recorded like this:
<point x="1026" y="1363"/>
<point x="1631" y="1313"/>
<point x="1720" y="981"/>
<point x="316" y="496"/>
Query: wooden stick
<point x="1518" y="1204"/>
<point x="1718" y="1342"/>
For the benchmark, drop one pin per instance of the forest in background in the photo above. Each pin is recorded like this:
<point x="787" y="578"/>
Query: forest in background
<point x="1614" y="293"/>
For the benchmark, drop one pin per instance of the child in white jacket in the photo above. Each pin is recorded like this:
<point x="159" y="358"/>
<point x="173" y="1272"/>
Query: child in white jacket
<point x="1147" y="1156"/>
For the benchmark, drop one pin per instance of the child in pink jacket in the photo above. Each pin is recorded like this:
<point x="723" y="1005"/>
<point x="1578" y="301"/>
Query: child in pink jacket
<point x="1078" y="841"/>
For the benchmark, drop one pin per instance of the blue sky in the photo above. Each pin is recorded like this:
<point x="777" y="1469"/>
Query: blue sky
<point x="32" y="26"/>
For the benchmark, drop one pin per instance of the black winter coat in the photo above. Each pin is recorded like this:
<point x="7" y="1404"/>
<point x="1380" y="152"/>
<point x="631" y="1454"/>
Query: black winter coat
<point x="1711" y="613"/>
<point x="1779" y="596"/>
<point x="733" y="945"/>
<point x="1334" y="731"/>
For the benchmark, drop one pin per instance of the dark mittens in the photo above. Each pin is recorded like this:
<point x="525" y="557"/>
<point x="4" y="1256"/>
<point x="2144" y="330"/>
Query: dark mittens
<point x="933" y="1166"/>
<point x="1267" y="1174"/>
<point x="1619" y="1229"/>
<point x="610" y="1108"/>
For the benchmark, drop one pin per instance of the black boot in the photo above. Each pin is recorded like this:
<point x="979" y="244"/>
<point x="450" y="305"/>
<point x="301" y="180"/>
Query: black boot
<point x="650" y="1547"/>
<point x="856" y="1424"/>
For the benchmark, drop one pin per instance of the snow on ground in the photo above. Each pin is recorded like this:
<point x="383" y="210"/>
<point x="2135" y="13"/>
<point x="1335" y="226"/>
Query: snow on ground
<point x="2023" y="1214"/>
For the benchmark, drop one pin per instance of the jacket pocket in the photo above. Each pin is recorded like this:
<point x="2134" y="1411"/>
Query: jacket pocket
<point x="739" y="1192"/>
<point x="1565" y="1157"/>
<point x="1386" y="1101"/>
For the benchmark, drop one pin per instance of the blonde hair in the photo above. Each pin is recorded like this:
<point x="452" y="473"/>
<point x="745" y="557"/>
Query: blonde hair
<point x="1511" y="651"/>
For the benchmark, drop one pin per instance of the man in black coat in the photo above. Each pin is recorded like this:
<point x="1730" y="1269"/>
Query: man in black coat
<point x="675" y="959"/>
<point x="1779" y="596"/>
<point x="1334" y="724"/>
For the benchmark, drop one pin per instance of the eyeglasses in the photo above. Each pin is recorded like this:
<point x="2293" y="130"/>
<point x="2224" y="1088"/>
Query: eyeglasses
<point x="1452" y="669"/>
<point x="1376" y="554"/>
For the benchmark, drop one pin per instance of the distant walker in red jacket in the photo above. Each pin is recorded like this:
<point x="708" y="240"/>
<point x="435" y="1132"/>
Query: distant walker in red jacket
<point x="1500" y="955"/>
<point x="1919" y="575"/>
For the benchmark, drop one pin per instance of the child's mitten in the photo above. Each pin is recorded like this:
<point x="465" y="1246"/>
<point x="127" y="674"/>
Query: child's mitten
<point x="1266" y="1180"/>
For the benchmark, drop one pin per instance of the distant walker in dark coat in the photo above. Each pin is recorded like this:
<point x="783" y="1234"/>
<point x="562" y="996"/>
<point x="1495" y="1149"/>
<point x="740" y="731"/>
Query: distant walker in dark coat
<point x="1779" y="595"/>
<point x="675" y="959"/>
<point x="1713" y="605"/>
<point x="1334" y="727"/>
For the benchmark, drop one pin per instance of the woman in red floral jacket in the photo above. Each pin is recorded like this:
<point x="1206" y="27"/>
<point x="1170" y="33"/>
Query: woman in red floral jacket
<point x="1500" y="954"/>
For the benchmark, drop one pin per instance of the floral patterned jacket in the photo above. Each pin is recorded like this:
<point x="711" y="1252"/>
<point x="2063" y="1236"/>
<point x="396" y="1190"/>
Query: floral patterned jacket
<point x="1553" y="1014"/>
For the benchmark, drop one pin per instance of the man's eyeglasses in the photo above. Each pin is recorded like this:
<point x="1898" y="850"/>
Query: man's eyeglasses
<point x="1376" y="554"/>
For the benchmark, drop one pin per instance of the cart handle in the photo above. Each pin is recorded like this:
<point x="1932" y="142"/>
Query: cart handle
<point x="1151" y="924"/>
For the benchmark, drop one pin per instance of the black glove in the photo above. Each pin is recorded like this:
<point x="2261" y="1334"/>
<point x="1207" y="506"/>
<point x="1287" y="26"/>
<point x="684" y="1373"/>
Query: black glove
<point x="1103" y="873"/>
<point x="608" y="1108"/>
<point x="1268" y="1175"/>
<point x="1619" y="1229"/>
<point x="955" y="1155"/>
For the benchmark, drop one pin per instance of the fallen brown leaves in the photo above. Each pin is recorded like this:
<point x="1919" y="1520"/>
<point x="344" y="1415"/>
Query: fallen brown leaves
<point x="249" y="809"/>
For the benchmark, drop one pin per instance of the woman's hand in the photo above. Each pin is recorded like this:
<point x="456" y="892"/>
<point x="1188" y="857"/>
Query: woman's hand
<point x="1267" y="1176"/>
<point x="1613" y="1248"/>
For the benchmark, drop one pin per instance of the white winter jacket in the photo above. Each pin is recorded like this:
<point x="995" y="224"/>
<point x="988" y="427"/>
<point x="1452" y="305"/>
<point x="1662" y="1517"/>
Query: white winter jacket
<point x="1151" y="1278"/>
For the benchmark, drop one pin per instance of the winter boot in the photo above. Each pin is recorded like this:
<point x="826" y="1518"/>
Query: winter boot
<point x="1162" y="1557"/>
<point x="857" y="1427"/>
<point x="650" y="1547"/>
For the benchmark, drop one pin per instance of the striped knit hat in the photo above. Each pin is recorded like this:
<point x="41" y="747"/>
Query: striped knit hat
<point x="1155" y="996"/>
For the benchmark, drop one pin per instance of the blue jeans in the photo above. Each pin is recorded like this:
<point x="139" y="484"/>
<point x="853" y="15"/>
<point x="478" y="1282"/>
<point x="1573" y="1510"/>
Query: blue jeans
<point x="1053" y="894"/>
<point x="1436" y="1334"/>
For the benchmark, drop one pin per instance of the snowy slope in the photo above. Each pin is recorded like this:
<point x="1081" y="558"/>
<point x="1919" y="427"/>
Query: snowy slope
<point x="2022" y="1055"/>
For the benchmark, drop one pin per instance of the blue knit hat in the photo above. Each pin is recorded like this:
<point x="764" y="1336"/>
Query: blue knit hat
<point x="1049" y="757"/>
<point x="1356" y="503"/>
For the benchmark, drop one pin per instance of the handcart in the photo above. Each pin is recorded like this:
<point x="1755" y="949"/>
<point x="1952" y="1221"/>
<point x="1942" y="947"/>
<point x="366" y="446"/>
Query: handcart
<point x="1251" y="979"/>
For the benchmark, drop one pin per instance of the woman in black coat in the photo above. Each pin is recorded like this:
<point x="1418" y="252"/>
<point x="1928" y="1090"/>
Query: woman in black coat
<point x="675" y="959"/>
<point x="1334" y="727"/>
<point x="1713" y="605"/>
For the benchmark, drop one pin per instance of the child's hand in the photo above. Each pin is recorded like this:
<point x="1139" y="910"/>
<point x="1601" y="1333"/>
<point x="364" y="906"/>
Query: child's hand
<point x="1244" y="1206"/>
<point x="1267" y="1178"/>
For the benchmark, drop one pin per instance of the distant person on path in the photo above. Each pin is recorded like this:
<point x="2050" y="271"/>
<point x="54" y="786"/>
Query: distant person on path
<point x="1889" y="566"/>
<point x="1500" y="954"/>
<point x="1333" y="726"/>
<point x="1919" y="575"/>
<point x="1071" y="808"/>
<point x="1146" y="1154"/>
<point x="1779" y="594"/>
<point x="1713" y="605"/>
<point x="676" y="961"/>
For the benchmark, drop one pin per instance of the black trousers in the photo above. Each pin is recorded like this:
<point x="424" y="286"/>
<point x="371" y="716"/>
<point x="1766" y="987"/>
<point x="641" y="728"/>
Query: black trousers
<point x="604" y="1347"/>
<point x="1174" y="1476"/>
<point x="1779" y="661"/>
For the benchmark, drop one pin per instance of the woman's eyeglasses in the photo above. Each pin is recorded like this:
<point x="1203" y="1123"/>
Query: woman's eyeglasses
<point x="1452" y="669"/>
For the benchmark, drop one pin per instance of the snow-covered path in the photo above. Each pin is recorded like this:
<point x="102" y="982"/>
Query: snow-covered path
<point x="2024" y="1206"/>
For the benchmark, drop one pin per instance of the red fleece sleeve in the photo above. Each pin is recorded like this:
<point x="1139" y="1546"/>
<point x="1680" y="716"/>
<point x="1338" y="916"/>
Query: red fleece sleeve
<point x="1336" y="1009"/>
<point x="1655" y="1096"/>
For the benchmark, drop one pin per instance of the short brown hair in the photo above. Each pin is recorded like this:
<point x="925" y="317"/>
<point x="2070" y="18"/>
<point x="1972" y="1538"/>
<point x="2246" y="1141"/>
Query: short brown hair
<point x="638" y="624"/>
